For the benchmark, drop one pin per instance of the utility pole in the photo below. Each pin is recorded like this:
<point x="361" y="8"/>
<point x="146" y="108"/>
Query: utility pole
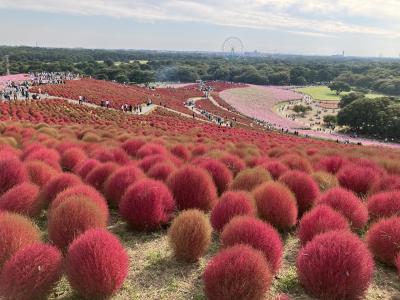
<point x="7" y="63"/>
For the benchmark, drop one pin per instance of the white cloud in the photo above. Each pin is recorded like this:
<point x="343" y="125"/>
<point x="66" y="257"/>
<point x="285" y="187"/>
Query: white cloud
<point x="311" y="17"/>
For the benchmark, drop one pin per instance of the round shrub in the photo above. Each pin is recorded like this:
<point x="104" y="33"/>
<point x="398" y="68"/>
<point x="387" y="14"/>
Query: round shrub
<point x="357" y="179"/>
<point x="78" y="191"/>
<point x="12" y="173"/>
<point x="181" y="152"/>
<point x="275" y="168"/>
<point x="325" y="180"/>
<point x="39" y="172"/>
<point x="397" y="263"/>
<point x="161" y="171"/>
<point x="348" y="204"/>
<point x="276" y="204"/>
<point x="382" y="205"/>
<point x="98" y="176"/>
<point x="96" y="264"/>
<point x="151" y="149"/>
<point x="304" y="188"/>
<point x="132" y="146"/>
<point x="73" y="217"/>
<point x="220" y="174"/>
<point x="383" y="239"/>
<point x="249" y="179"/>
<point x="192" y="187"/>
<point x="83" y="168"/>
<point x="190" y="235"/>
<point x="239" y="273"/>
<point x="233" y="163"/>
<point x="22" y="199"/>
<point x="296" y="162"/>
<point x="16" y="232"/>
<point x="319" y="220"/>
<point x="147" y="205"/>
<point x="48" y="156"/>
<point x="335" y="265"/>
<point x="31" y="273"/>
<point x="119" y="181"/>
<point x="146" y="163"/>
<point x="57" y="184"/>
<point x="230" y="205"/>
<point x="71" y="157"/>
<point x="386" y="183"/>
<point x="257" y="234"/>
<point x="331" y="164"/>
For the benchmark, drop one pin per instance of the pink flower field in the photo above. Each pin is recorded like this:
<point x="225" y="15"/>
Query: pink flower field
<point x="12" y="78"/>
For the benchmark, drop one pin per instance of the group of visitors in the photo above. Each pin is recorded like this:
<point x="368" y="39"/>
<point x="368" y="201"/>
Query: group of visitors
<point x="52" y="77"/>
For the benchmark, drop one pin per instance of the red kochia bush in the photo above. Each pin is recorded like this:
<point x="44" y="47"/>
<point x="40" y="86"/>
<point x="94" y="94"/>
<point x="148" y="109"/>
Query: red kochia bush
<point x="330" y="164"/>
<point x="83" y="168"/>
<point x="12" y="173"/>
<point x="304" y="188"/>
<point x="296" y="162"/>
<point x="146" y="163"/>
<point x="335" y="265"/>
<point x="16" y="232"/>
<point x="132" y="146"/>
<point x="78" y="191"/>
<point x="319" y="220"/>
<point x="276" y="204"/>
<point x="39" y="172"/>
<point x="257" y="234"/>
<point x="96" y="264"/>
<point x="151" y="149"/>
<point x="239" y="273"/>
<point x="221" y="175"/>
<point x="31" y="273"/>
<point x="147" y="205"/>
<point x="358" y="179"/>
<point x="48" y="156"/>
<point x="230" y="205"/>
<point x="275" y="168"/>
<point x="119" y="181"/>
<point x="22" y="199"/>
<point x="348" y="204"/>
<point x="73" y="217"/>
<point x="181" y="152"/>
<point x="397" y="263"/>
<point x="192" y="187"/>
<point x="383" y="205"/>
<point x="234" y="163"/>
<point x="98" y="176"/>
<point x="56" y="185"/>
<point x="383" y="239"/>
<point x="71" y="157"/>
<point x="248" y="179"/>
<point x="190" y="235"/>
<point x="161" y="171"/>
<point x="386" y="183"/>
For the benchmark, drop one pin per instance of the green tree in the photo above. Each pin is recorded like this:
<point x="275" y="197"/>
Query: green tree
<point x="349" y="98"/>
<point x="339" y="87"/>
<point x="330" y="120"/>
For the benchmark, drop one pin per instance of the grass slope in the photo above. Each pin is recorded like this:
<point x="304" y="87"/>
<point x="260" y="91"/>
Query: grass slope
<point x="325" y="94"/>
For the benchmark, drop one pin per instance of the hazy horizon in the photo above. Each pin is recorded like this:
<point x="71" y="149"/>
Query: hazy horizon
<point x="313" y="27"/>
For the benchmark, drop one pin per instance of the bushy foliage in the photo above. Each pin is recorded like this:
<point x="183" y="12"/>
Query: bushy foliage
<point x="277" y="205"/>
<point x="22" y="199"/>
<point x="382" y="205"/>
<point x="193" y="187"/>
<point x="83" y="168"/>
<point x="12" y="173"/>
<point x="161" y="171"/>
<point x="248" y="179"/>
<point x="71" y="157"/>
<point x="358" y="179"/>
<point x="239" y="272"/>
<point x="99" y="174"/>
<point x="31" y="273"/>
<point x="348" y="204"/>
<point x="147" y="205"/>
<point x="151" y="149"/>
<point x="231" y="204"/>
<point x="221" y="175"/>
<point x="275" y="168"/>
<point x="233" y="163"/>
<point x="181" y="152"/>
<point x="335" y="265"/>
<point x="386" y="183"/>
<point x="319" y="220"/>
<point x="190" y="235"/>
<point x="96" y="264"/>
<point x="56" y="185"/>
<point x="16" y="232"/>
<point x="296" y="162"/>
<point x="325" y="180"/>
<point x="132" y="146"/>
<point x="257" y="234"/>
<point x="331" y="164"/>
<point x="39" y="172"/>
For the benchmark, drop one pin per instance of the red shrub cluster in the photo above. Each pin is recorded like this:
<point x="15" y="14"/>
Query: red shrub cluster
<point x="257" y="234"/>
<point x="296" y="162"/>
<point x="383" y="205"/>
<point x="12" y="173"/>
<point x="304" y="188"/>
<point x="335" y="265"/>
<point x="275" y="168"/>
<point x="71" y="157"/>
<point x="348" y="204"/>
<point x="48" y="156"/>
<point x="277" y="205"/>
<point x="96" y="264"/>
<point x="221" y="175"/>
<point x="239" y="273"/>
<point x="149" y="161"/>
<point x="331" y="164"/>
<point x="161" y="171"/>
<point x="234" y="163"/>
<point x="73" y="217"/>
<point x="16" y="232"/>
<point x="132" y="146"/>
<point x="39" y="172"/>
<point x="231" y="204"/>
<point x="386" y="183"/>
<point x="193" y="187"/>
<point x="147" y="205"/>
<point x="99" y="174"/>
<point x="190" y="235"/>
<point x="57" y="184"/>
<point x="319" y="220"/>
<point x="383" y="239"/>
<point x="358" y="179"/>
<point x="181" y="152"/>
<point x="249" y="179"/>
<point x="22" y="199"/>
<point x="85" y="167"/>
<point x="31" y="273"/>
<point x="151" y="149"/>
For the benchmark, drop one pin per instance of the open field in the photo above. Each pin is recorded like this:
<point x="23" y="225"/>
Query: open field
<point x="325" y="94"/>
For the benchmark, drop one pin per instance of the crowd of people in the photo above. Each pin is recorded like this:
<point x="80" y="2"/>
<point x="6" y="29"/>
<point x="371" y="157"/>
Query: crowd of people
<point x="52" y="77"/>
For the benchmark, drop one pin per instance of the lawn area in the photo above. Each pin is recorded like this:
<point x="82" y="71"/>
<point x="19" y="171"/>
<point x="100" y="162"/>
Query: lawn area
<point x="324" y="93"/>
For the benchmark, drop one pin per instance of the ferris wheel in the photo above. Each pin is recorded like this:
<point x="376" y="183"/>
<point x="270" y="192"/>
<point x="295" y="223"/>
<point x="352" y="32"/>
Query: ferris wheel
<point x="233" y="46"/>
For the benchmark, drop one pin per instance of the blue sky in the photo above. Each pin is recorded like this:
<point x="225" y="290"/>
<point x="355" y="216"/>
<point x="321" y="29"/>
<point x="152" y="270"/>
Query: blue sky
<point x="360" y="27"/>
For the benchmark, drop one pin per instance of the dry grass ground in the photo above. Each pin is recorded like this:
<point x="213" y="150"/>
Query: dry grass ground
<point x="155" y="274"/>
